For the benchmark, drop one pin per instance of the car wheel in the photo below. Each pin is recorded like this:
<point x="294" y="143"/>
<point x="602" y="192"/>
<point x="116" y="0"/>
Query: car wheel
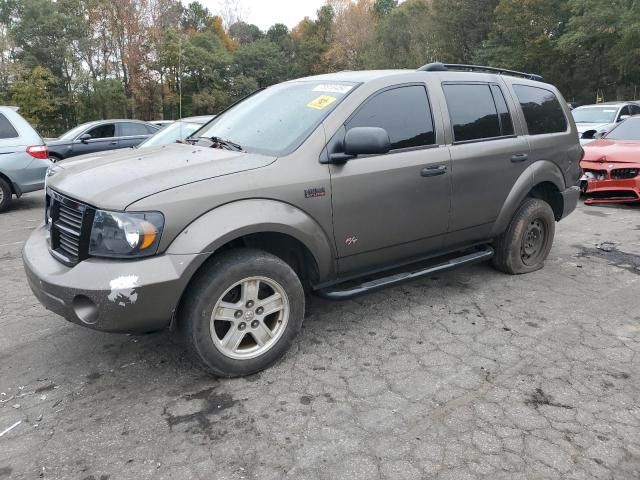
<point x="525" y="245"/>
<point x="5" y="194"/>
<point x="242" y="312"/>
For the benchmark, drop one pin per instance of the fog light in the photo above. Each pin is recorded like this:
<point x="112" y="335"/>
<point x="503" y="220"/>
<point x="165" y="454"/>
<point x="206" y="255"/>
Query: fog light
<point x="85" y="309"/>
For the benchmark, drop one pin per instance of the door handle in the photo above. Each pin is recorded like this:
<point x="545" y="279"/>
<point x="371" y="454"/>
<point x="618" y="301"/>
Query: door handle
<point x="114" y="143"/>
<point x="520" y="157"/>
<point x="433" y="170"/>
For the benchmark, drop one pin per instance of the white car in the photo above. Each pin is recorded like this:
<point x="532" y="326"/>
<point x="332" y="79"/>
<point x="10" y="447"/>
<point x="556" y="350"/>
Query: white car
<point x="594" y="121"/>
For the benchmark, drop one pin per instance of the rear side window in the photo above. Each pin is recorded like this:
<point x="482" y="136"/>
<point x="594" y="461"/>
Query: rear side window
<point x="541" y="109"/>
<point x="6" y="129"/>
<point x="403" y="112"/>
<point x="473" y="111"/>
<point x="506" y="124"/>
<point x="133" y="129"/>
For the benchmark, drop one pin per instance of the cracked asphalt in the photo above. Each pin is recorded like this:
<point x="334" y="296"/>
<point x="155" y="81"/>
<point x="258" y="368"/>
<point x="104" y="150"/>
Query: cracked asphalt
<point x="468" y="375"/>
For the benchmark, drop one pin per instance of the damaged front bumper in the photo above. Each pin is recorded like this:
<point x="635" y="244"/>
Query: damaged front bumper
<point x="134" y="296"/>
<point x="612" y="191"/>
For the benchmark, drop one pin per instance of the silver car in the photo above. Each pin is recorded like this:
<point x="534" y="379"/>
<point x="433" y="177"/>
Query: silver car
<point x="24" y="158"/>
<point x="593" y="121"/>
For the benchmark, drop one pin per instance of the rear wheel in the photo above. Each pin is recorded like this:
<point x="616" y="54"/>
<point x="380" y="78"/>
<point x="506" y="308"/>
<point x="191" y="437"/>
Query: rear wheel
<point x="525" y="245"/>
<point x="242" y="312"/>
<point x="5" y="194"/>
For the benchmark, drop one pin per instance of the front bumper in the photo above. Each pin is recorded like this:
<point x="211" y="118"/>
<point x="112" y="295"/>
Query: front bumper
<point x="613" y="191"/>
<point x="570" y="198"/>
<point x="134" y="296"/>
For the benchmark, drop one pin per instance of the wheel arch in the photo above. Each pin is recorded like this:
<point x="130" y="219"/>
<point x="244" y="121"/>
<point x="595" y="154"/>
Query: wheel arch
<point x="270" y="225"/>
<point x="12" y="185"/>
<point x="544" y="180"/>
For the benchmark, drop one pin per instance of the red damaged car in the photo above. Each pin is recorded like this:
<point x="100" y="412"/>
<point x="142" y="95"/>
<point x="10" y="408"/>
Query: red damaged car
<point x="611" y="165"/>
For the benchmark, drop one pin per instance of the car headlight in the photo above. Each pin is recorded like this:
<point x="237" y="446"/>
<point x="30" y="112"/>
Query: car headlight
<point x="125" y="235"/>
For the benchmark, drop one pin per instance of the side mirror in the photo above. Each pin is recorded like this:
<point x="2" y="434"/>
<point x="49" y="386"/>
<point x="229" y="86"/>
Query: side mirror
<point x="623" y="117"/>
<point x="589" y="134"/>
<point x="363" y="141"/>
<point x="600" y="134"/>
<point x="84" y="137"/>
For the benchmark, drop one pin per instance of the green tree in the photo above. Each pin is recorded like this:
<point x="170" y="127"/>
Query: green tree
<point x="262" y="60"/>
<point x="34" y="95"/>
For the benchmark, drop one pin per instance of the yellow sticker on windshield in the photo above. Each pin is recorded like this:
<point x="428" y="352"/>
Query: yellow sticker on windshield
<point x="321" y="102"/>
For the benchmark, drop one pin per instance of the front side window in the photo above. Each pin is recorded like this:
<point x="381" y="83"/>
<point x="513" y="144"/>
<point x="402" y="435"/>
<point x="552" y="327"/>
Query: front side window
<point x="6" y="129"/>
<point x="276" y="120"/>
<point x="103" y="131"/>
<point x="403" y="112"/>
<point x="542" y="110"/>
<point x="473" y="111"/>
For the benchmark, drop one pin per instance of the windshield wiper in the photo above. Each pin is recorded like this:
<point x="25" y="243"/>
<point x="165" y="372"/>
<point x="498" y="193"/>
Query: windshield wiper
<point x="217" y="142"/>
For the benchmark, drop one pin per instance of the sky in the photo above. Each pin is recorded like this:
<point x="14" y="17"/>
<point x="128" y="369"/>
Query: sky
<point x="265" y="13"/>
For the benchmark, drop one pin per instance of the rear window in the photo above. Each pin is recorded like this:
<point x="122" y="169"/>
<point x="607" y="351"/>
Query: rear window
<point x="542" y="110"/>
<point x="6" y="129"/>
<point x="473" y="111"/>
<point x="133" y="129"/>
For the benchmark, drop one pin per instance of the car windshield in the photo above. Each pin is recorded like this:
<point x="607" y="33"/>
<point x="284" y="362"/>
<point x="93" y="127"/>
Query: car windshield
<point x="172" y="133"/>
<point x="594" y="114"/>
<point x="627" y="130"/>
<point x="74" y="132"/>
<point x="276" y="120"/>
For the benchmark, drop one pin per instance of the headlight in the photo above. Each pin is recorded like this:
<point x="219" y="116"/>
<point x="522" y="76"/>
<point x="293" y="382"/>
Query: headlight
<point x="125" y="235"/>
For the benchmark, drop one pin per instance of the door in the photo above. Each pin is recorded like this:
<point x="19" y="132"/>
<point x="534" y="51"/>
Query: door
<point x="131" y="134"/>
<point x="487" y="157"/>
<point x="101" y="137"/>
<point x="392" y="206"/>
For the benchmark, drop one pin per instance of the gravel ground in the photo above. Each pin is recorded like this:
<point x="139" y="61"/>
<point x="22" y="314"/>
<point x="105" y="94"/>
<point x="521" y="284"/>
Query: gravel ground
<point x="470" y="374"/>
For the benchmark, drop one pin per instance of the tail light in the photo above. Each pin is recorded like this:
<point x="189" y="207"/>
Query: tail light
<point x="38" y="151"/>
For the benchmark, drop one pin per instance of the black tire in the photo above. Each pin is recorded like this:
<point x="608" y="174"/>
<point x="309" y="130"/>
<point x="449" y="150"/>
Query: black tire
<point x="212" y="284"/>
<point x="5" y="194"/>
<point x="526" y="243"/>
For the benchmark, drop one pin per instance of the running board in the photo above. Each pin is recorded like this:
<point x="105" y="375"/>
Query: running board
<point x="354" y="290"/>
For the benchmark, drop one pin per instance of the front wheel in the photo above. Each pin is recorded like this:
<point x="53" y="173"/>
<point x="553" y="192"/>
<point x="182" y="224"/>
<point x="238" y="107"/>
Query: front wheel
<point x="525" y="245"/>
<point x="242" y="312"/>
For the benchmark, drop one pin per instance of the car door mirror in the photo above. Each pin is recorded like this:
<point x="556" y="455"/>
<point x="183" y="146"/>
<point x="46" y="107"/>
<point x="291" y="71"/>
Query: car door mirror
<point x="623" y="117"/>
<point x="363" y="141"/>
<point x="84" y="137"/>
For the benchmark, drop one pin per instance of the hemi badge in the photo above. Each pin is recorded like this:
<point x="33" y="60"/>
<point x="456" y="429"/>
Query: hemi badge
<point x="314" y="192"/>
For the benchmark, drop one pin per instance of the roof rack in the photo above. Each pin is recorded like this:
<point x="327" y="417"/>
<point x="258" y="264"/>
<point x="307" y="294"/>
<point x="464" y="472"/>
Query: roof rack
<point x="443" y="67"/>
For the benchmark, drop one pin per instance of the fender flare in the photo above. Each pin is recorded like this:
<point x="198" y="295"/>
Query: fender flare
<point x="537" y="173"/>
<point x="233" y="220"/>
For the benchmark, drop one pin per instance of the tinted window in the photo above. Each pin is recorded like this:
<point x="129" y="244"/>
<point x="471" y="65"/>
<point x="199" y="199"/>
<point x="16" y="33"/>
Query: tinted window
<point x="6" y="129"/>
<point x="103" y="131"/>
<point x="472" y="110"/>
<point x="635" y="110"/>
<point x="506" y="124"/>
<point x="132" y="129"/>
<point x="542" y="110"/>
<point x="624" y="111"/>
<point x="403" y="112"/>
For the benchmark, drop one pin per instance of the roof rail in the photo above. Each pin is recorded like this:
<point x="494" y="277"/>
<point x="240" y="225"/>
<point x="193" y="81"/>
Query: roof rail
<point x="443" y="67"/>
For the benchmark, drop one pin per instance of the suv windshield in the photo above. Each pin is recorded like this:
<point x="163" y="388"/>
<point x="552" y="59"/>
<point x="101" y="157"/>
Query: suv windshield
<point x="627" y="130"/>
<point x="595" y="114"/>
<point x="276" y="120"/>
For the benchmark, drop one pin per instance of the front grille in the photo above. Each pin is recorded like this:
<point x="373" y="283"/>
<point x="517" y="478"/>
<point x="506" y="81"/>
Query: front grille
<point x="624" y="173"/>
<point x="613" y="195"/>
<point x="70" y="226"/>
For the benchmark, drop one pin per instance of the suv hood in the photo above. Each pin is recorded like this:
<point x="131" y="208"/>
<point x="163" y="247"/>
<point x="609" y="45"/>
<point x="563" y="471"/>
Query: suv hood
<point x="114" y="180"/>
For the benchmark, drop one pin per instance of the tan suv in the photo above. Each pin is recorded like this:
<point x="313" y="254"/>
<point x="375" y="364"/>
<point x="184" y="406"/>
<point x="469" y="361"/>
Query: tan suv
<point x="311" y="185"/>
